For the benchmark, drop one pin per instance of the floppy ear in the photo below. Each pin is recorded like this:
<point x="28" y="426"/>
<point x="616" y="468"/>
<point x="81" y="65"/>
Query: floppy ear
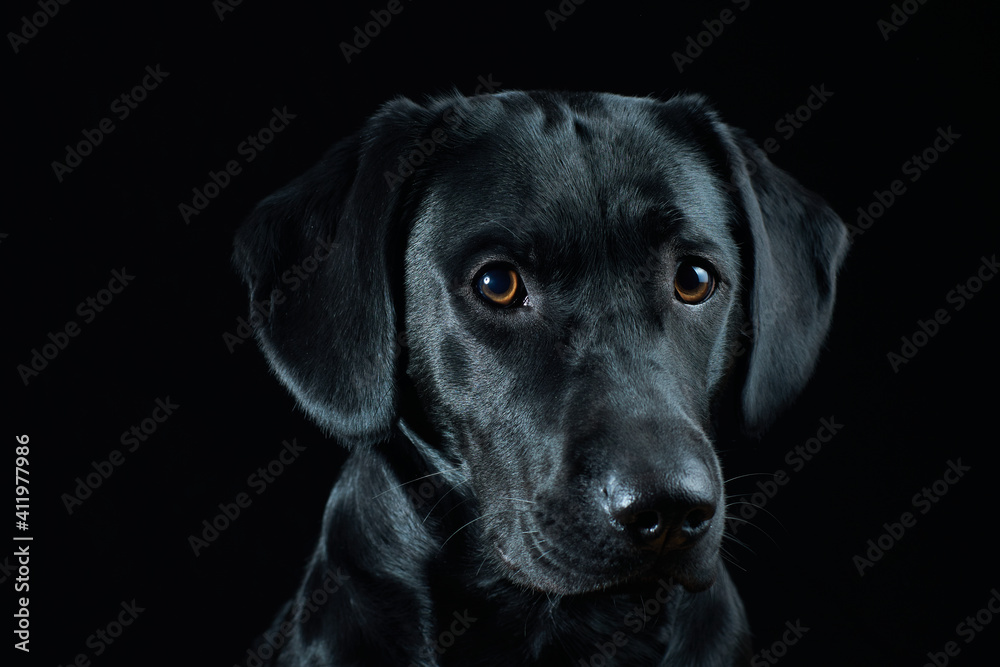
<point x="319" y="257"/>
<point x="792" y="244"/>
<point x="797" y="246"/>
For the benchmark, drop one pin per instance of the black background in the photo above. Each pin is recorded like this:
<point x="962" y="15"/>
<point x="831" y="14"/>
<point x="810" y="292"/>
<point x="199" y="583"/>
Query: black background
<point x="162" y="335"/>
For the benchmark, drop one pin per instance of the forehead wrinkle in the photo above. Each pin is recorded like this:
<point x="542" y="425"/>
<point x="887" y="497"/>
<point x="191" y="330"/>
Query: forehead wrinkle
<point x="598" y="184"/>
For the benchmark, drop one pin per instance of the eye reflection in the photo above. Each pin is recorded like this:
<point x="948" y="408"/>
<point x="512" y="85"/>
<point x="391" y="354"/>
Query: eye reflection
<point x="693" y="282"/>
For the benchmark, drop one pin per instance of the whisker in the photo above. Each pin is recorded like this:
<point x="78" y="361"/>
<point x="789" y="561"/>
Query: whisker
<point x="750" y="474"/>
<point x="512" y="232"/>
<point x="431" y="510"/>
<point x="399" y="486"/>
<point x="541" y="555"/>
<point x="751" y="524"/>
<point x="762" y="509"/>
<point x="740" y="542"/>
<point x="763" y="532"/>
<point x="457" y="505"/>
<point x="537" y="546"/>
<point x="481" y="566"/>
<point x="468" y="523"/>
<point x="729" y="559"/>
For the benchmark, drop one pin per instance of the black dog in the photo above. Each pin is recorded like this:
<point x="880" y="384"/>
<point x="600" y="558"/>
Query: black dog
<point x="528" y="329"/>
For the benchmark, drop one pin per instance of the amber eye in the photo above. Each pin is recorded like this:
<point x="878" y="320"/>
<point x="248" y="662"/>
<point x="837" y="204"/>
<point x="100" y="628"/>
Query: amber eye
<point x="500" y="286"/>
<point x="693" y="283"/>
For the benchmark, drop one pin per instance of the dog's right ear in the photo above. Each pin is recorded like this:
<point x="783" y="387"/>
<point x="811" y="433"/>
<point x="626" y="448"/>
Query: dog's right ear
<point x="319" y="257"/>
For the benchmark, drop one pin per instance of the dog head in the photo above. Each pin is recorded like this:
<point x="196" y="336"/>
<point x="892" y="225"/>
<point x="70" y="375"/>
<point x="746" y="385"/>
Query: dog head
<point x="551" y="291"/>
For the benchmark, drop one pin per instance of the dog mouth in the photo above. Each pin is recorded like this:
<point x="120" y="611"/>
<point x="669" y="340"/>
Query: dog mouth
<point x="589" y="533"/>
<point x="541" y="566"/>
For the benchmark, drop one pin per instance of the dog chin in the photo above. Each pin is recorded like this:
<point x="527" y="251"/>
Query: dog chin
<point x="698" y="581"/>
<point x="692" y="575"/>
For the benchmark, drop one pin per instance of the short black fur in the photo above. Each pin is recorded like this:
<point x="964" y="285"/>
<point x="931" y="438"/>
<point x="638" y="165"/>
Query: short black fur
<point x="523" y="480"/>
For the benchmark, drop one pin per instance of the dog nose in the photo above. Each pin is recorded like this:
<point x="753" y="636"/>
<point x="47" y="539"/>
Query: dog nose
<point x="671" y="512"/>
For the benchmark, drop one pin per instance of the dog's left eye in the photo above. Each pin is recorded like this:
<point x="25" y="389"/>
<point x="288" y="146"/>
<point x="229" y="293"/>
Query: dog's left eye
<point x="694" y="282"/>
<point x="500" y="286"/>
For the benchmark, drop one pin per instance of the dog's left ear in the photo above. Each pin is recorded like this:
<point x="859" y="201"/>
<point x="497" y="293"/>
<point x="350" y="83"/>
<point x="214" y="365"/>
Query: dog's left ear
<point x="799" y="244"/>
<point x="319" y="257"/>
<point x="793" y="245"/>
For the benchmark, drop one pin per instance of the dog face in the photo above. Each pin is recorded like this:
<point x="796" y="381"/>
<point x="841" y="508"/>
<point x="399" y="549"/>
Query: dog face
<point x="573" y="274"/>
<point x="572" y="287"/>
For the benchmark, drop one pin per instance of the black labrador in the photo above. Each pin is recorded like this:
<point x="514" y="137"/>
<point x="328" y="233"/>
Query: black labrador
<point x="527" y="323"/>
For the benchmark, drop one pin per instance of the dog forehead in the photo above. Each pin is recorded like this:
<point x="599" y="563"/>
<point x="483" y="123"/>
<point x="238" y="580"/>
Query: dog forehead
<point x="568" y="169"/>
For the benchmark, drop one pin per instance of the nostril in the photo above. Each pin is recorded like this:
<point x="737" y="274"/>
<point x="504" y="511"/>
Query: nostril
<point x="662" y="512"/>
<point x="658" y="520"/>
<point x="697" y="521"/>
<point x="648" y="523"/>
<point x="678" y="526"/>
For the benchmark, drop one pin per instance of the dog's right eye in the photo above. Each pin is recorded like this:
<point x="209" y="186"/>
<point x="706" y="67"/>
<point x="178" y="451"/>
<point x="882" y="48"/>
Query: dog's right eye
<point x="500" y="286"/>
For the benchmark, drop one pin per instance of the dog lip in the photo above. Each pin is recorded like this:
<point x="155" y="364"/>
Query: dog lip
<point x="692" y="577"/>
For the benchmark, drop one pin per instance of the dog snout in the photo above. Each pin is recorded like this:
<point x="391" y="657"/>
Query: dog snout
<point x="663" y="512"/>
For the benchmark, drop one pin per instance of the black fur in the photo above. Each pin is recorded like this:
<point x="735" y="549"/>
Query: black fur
<point x="523" y="481"/>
